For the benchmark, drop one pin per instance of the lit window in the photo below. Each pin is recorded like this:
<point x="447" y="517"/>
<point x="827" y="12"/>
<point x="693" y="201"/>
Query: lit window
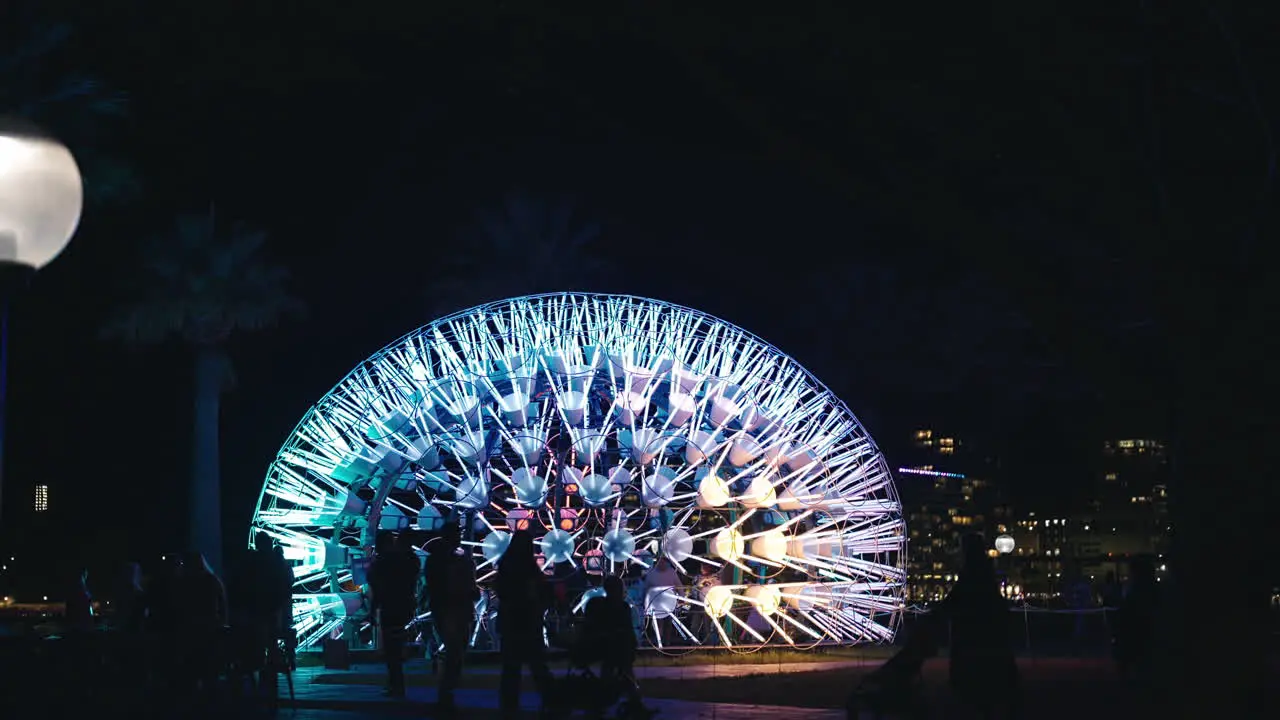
<point x="42" y="498"/>
<point x="1110" y="477"/>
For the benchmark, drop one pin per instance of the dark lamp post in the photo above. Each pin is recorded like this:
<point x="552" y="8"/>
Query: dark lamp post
<point x="41" y="196"/>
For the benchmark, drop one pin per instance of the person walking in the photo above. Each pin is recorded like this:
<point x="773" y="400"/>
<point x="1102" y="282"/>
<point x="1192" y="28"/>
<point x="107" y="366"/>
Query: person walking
<point x="393" y="579"/>
<point x="984" y="674"/>
<point x="523" y="598"/>
<point x="451" y="587"/>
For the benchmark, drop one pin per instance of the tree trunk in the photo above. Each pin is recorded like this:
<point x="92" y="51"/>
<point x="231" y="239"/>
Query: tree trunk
<point x="206" y="480"/>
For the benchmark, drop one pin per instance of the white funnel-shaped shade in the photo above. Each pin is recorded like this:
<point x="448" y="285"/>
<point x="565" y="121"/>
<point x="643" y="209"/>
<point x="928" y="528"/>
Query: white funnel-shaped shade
<point x="759" y="494"/>
<point x="473" y="492"/>
<point x="618" y="545"/>
<point x="728" y="545"/>
<point x="723" y="410"/>
<point x="515" y="409"/>
<point x="646" y="444"/>
<point x="745" y="449"/>
<point x="658" y="488"/>
<point x="677" y="545"/>
<point x="530" y="487"/>
<point x="628" y="406"/>
<point x="771" y="545"/>
<point x="596" y="490"/>
<point x="680" y="407"/>
<point x="494" y="544"/>
<point x="574" y="406"/>
<point x="718" y="601"/>
<point x="712" y="491"/>
<point x="468" y="447"/>
<point x="765" y="598"/>
<point x="587" y="448"/>
<point x="395" y="432"/>
<point x="528" y="447"/>
<point x="639" y="379"/>
<point x="660" y="602"/>
<point x="684" y="380"/>
<point x="464" y="409"/>
<point x="699" y="446"/>
<point x="576" y="378"/>
<point x="557" y="546"/>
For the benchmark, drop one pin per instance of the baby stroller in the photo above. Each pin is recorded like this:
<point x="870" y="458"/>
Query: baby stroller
<point x="896" y="687"/>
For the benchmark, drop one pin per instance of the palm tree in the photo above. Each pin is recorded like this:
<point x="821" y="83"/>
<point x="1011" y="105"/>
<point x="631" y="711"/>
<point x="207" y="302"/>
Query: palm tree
<point x="529" y="244"/>
<point x="204" y="284"/>
<point x="76" y="107"/>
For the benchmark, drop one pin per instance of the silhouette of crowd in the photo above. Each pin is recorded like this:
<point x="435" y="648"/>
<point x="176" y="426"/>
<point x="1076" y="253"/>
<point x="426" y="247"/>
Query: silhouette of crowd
<point x="182" y="638"/>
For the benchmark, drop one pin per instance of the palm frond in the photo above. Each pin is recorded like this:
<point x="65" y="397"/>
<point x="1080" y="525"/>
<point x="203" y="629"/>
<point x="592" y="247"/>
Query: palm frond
<point x="73" y="107"/>
<point x="204" y="285"/>
<point x="527" y="244"/>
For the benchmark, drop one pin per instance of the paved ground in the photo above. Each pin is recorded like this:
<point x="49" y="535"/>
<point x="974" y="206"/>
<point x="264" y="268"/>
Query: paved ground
<point x="1057" y="682"/>
<point x="316" y="691"/>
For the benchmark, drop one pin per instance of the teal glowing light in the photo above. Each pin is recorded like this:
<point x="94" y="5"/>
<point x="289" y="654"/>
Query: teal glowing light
<point x="617" y="430"/>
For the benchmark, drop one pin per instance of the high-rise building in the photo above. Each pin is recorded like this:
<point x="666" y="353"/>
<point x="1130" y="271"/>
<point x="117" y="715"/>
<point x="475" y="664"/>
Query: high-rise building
<point x="942" y="502"/>
<point x="1127" y="512"/>
<point x="41" y="498"/>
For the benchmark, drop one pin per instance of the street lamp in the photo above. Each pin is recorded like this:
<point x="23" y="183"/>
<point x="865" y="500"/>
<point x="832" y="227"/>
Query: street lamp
<point x="1004" y="544"/>
<point x="41" y="196"/>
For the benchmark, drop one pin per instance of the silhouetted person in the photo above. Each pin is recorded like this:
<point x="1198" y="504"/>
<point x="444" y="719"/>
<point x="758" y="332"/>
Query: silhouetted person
<point x="163" y="625"/>
<point x="523" y="598"/>
<point x="128" y="620"/>
<point x="983" y="670"/>
<point x="610" y="638"/>
<point x="1135" y="627"/>
<point x="1110" y="591"/>
<point x="451" y="585"/>
<point x="131" y="600"/>
<point x="262" y="601"/>
<point x="393" y="578"/>
<point x="79" y="609"/>
<point x="203" y="617"/>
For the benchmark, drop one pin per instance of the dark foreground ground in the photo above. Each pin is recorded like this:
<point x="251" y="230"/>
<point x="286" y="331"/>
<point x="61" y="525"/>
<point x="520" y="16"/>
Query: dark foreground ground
<point x="37" y="683"/>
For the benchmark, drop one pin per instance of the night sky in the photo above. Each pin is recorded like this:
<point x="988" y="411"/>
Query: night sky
<point x="841" y="184"/>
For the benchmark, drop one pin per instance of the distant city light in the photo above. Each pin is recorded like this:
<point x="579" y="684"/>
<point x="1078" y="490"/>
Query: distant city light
<point x="935" y="473"/>
<point x="42" y="498"/>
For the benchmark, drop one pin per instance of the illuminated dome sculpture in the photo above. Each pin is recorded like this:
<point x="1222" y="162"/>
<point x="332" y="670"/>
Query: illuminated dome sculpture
<point x="619" y="430"/>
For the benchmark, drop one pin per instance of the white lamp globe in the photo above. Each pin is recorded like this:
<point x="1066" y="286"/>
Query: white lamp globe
<point x="41" y="195"/>
<point x="1004" y="544"/>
